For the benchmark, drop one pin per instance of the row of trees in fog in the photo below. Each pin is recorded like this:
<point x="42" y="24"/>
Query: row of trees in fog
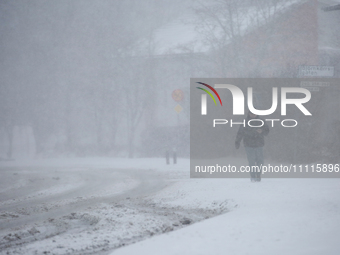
<point x="73" y="69"/>
<point x="86" y="72"/>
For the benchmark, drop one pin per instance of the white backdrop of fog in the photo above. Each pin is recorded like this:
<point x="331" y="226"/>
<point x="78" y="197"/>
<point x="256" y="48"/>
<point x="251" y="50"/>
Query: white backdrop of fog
<point x="84" y="78"/>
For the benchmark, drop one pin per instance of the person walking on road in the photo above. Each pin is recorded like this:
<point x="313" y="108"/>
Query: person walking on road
<point x="253" y="141"/>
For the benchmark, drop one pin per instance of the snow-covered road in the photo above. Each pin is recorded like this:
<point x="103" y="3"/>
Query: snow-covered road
<point x="42" y="193"/>
<point x="87" y="206"/>
<point x="33" y="199"/>
<point x="103" y="206"/>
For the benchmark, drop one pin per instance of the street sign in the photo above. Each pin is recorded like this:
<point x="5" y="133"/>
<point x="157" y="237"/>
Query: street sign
<point x="178" y="108"/>
<point x="314" y="86"/>
<point x="177" y="95"/>
<point x="316" y="71"/>
<point x="313" y="89"/>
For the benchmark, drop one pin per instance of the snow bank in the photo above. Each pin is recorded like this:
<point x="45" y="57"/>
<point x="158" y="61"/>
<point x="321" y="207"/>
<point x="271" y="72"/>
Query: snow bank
<point x="276" y="216"/>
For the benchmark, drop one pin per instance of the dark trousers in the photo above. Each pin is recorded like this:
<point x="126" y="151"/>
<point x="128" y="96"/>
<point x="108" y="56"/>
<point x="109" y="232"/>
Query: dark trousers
<point x="255" y="160"/>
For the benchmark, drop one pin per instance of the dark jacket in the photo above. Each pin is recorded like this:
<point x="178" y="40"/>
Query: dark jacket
<point x="250" y="136"/>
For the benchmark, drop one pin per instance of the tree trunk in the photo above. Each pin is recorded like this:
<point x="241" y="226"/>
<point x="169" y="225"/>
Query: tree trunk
<point x="9" y="132"/>
<point x="131" y="143"/>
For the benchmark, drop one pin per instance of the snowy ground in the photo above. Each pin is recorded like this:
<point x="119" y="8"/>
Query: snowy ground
<point x="101" y="206"/>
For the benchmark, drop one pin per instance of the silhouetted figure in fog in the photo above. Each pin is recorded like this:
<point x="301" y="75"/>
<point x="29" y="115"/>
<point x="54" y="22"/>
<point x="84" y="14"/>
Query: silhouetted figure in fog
<point x="253" y="141"/>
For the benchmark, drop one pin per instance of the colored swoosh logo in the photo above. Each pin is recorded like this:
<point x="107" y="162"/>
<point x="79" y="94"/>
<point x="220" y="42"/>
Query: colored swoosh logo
<point x="204" y="84"/>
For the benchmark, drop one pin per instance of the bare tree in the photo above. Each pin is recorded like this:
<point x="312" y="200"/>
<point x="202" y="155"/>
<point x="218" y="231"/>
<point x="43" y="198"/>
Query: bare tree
<point x="73" y="64"/>
<point x="224" y="24"/>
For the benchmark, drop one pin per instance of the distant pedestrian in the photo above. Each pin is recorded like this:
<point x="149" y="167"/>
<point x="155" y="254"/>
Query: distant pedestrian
<point x="253" y="141"/>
